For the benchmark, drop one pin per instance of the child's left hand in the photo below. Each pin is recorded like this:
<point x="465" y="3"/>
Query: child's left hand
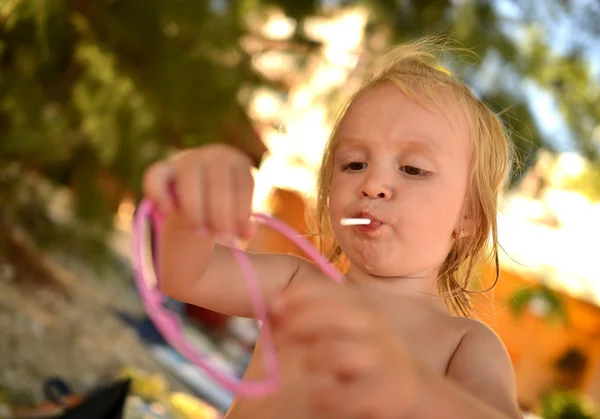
<point x="347" y="345"/>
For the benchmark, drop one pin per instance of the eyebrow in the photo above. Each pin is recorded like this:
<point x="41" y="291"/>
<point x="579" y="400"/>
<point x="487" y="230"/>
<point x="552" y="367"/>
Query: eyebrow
<point x="427" y="146"/>
<point x="351" y="142"/>
<point x="412" y="144"/>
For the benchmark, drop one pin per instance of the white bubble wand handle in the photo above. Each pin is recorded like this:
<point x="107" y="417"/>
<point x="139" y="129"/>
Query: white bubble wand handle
<point x="355" y="221"/>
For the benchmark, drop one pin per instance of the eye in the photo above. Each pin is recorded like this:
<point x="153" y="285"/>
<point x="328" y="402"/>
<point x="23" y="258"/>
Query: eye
<point x="354" y="166"/>
<point x="415" y="171"/>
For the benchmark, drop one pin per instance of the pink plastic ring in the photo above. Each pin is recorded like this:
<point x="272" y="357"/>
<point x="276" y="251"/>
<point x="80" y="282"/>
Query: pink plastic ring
<point x="169" y="324"/>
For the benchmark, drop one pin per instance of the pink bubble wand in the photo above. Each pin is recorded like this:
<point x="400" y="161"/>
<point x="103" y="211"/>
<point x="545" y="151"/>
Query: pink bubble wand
<point x="169" y="324"/>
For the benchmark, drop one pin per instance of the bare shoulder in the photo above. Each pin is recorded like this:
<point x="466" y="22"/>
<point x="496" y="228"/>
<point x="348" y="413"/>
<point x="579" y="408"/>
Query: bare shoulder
<point x="479" y="348"/>
<point x="482" y="366"/>
<point x="476" y="333"/>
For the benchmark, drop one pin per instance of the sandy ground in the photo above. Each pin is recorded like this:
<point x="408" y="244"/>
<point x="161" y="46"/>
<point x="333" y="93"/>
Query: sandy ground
<point x="42" y="333"/>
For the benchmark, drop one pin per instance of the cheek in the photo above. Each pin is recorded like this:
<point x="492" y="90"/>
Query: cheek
<point x="338" y="196"/>
<point x="439" y="209"/>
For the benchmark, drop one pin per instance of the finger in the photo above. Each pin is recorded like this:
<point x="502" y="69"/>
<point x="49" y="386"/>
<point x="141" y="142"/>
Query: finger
<point x="155" y="185"/>
<point x="190" y="192"/>
<point x="219" y="183"/>
<point x="349" y="400"/>
<point x="342" y="359"/>
<point x="324" y="318"/>
<point x="331" y="402"/>
<point x="244" y="186"/>
<point x="327" y="293"/>
<point x="322" y="394"/>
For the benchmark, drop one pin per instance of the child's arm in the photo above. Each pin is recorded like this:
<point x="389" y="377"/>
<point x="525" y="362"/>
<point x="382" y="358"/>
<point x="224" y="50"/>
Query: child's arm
<point x="207" y="192"/>
<point x="195" y="270"/>
<point x="480" y="382"/>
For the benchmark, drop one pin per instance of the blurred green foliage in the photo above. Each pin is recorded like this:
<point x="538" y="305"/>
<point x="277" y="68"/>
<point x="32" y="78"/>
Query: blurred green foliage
<point x="91" y="92"/>
<point x="552" y="304"/>
<point x="565" y="404"/>
<point x="587" y="182"/>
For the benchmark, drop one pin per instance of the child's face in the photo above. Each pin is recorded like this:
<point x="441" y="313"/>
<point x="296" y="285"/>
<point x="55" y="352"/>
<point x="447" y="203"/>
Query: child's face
<point x="406" y="165"/>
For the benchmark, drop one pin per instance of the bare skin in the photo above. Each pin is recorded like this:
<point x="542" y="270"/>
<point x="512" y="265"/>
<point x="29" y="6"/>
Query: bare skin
<point x="382" y="345"/>
<point x="429" y="334"/>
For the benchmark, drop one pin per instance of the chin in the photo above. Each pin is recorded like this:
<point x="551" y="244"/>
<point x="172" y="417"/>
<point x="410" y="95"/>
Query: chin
<point x="378" y="271"/>
<point x="380" y="265"/>
<point x="374" y="268"/>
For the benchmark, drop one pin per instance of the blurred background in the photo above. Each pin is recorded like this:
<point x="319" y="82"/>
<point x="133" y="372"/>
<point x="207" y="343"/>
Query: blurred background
<point x="91" y="92"/>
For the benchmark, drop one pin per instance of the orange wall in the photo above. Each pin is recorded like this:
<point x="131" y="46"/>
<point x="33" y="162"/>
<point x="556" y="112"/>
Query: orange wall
<point x="288" y="207"/>
<point x="535" y="344"/>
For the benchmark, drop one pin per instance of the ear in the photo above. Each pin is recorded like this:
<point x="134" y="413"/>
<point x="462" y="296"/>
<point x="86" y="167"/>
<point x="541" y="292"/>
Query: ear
<point x="461" y="232"/>
<point x="465" y="227"/>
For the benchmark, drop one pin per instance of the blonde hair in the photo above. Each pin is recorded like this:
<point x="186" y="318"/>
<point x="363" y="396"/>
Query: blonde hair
<point x="415" y="68"/>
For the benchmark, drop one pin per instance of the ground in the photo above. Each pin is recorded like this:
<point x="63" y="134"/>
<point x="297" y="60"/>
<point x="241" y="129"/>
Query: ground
<point x="79" y="338"/>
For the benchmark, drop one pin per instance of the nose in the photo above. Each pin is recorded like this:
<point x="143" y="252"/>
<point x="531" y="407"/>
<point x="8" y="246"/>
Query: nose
<point x="377" y="186"/>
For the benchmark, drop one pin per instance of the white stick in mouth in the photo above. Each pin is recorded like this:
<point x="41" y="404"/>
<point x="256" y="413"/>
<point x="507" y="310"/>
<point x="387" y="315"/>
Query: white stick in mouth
<point x="354" y="221"/>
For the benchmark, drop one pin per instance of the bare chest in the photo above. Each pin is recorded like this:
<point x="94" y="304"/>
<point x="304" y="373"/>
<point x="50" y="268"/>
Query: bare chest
<point x="429" y="336"/>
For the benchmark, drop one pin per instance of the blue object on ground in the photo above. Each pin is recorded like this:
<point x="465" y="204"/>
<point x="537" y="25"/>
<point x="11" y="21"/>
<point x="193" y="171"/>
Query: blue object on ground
<point x="197" y="380"/>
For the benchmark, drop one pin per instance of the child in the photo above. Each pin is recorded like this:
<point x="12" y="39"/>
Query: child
<point x="417" y="154"/>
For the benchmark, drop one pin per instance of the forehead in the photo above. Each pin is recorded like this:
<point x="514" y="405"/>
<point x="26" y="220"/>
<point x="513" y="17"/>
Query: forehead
<point x="383" y="114"/>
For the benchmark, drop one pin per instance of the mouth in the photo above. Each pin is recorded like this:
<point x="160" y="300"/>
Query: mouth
<point x="374" y="225"/>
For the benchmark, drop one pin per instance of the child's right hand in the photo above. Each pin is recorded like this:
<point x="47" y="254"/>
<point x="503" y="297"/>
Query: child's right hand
<point x="210" y="188"/>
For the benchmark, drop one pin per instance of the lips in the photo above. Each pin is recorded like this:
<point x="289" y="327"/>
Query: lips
<point x="373" y="226"/>
<point x="365" y="214"/>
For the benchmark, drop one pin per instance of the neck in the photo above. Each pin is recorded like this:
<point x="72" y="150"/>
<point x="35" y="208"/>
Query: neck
<point x="422" y="287"/>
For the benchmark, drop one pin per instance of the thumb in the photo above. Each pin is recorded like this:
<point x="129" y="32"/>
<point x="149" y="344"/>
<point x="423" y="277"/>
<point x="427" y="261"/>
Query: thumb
<point x="249" y="230"/>
<point x="277" y="307"/>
